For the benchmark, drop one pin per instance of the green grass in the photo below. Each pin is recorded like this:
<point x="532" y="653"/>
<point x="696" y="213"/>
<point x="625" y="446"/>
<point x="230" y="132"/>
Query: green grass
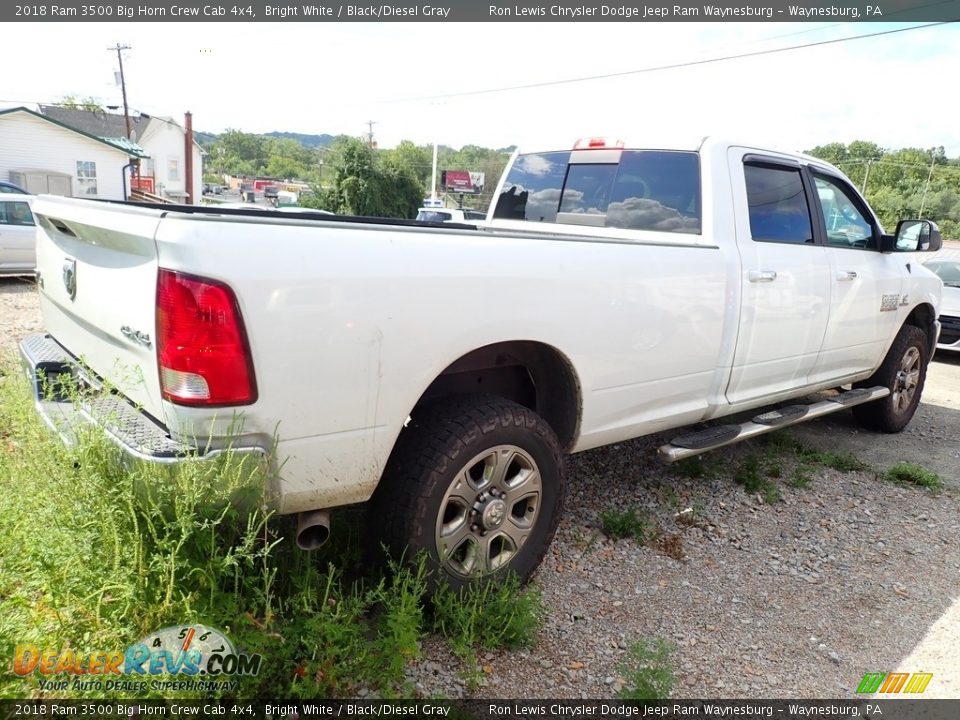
<point x="489" y="615"/>
<point x="630" y="523"/>
<point x="753" y="475"/>
<point x="97" y="553"/>
<point x="910" y="474"/>
<point x="648" y="671"/>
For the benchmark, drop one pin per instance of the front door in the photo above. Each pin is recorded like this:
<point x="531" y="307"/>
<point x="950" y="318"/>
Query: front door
<point x="866" y="305"/>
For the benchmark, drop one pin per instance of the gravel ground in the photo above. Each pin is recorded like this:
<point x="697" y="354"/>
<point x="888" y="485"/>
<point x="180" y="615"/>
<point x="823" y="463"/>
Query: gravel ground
<point x="795" y="599"/>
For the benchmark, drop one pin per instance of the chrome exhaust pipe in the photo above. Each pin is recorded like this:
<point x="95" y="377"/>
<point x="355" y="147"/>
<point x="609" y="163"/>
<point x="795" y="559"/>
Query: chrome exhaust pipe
<point x="313" y="529"/>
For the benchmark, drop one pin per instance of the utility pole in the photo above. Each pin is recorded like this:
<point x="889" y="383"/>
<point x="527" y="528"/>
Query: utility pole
<point x="923" y="201"/>
<point x="863" y="190"/>
<point x="370" y="124"/>
<point x="123" y="85"/>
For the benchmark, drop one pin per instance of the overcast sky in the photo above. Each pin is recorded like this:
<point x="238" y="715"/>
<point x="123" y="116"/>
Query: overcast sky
<point x="897" y="90"/>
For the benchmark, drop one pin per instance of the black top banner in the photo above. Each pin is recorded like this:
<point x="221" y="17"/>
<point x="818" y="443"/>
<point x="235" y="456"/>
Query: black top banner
<point x="482" y="11"/>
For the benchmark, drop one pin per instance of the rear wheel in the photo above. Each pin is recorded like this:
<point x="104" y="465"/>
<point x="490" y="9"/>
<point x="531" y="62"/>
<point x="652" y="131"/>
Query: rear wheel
<point x="903" y="371"/>
<point x="476" y="483"/>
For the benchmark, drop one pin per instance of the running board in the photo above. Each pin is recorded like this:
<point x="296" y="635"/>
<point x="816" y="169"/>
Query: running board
<point x="700" y="441"/>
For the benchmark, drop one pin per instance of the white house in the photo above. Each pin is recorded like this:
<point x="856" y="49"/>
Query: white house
<point x="48" y="156"/>
<point x="162" y="141"/>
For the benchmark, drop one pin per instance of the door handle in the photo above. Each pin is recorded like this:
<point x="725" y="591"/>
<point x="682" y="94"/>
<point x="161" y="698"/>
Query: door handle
<point x="846" y="275"/>
<point x="762" y="275"/>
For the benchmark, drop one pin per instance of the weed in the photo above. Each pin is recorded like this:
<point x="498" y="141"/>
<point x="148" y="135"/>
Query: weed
<point x="748" y="474"/>
<point x="97" y="552"/>
<point x="486" y="615"/>
<point x="706" y="466"/>
<point x="801" y="476"/>
<point x="910" y="474"/>
<point x="619" y="524"/>
<point x="648" y="671"/>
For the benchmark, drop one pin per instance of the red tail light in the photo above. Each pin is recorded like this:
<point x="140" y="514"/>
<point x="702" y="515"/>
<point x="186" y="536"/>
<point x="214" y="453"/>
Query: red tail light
<point x="202" y="347"/>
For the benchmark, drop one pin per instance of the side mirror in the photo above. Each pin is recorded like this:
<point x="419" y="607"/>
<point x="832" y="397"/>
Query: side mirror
<point x="914" y="236"/>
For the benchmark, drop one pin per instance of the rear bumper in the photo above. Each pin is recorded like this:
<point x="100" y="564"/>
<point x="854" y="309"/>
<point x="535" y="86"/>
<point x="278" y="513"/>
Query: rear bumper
<point x="141" y="436"/>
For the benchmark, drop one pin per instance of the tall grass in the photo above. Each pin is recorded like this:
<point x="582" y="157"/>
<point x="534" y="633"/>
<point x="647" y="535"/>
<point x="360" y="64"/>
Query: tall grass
<point x="97" y="553"/>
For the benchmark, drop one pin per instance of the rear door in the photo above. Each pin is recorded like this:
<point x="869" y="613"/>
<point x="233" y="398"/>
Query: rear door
<point x="97" y="264"/>
<point x="17" y="234"/>
<point x="785" y="298"/>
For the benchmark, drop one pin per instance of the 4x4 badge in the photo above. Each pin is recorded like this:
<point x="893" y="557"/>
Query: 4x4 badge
<point x="70" y="277"/>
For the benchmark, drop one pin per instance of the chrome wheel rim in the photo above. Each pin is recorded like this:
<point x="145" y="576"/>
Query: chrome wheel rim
<point x="488" y="512"/>
<point x="907" y="380"/>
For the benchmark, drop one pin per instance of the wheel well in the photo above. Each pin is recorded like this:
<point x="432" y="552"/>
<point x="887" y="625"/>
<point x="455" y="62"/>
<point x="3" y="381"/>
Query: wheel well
<point x="532" y="374"/>
<point x="922" y="316"/>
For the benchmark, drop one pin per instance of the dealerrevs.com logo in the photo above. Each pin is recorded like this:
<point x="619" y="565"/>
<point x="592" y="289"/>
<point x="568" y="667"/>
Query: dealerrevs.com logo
<point x="199" y="657"/>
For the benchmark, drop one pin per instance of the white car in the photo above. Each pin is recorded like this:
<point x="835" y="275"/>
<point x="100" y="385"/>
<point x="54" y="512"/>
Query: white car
<point x="948" y="270"/>
<point x="442" y="214"/>
<point x="18" y="235"/>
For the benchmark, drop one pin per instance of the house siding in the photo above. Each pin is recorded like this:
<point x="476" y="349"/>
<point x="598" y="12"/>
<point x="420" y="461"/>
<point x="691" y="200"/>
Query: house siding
<point x="30" y="143"/>
<point x="163" y="140"/>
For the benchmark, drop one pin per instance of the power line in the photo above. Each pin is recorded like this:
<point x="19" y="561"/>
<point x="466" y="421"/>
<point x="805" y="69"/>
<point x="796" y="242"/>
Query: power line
<point x="671" y="66"/>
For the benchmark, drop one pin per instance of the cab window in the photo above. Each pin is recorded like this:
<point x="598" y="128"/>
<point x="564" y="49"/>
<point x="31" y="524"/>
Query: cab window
<point x="846" y="224"/>
<point x="645" y="190"/>
<point x="778" y="204"/>
<point x="532" y="190"/>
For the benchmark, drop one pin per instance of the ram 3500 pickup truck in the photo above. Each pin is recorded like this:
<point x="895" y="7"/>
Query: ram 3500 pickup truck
<point x="441" y="372"/>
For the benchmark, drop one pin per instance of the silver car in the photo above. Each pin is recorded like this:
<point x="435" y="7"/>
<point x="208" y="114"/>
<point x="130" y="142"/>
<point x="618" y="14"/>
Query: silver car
<point x="948" y="269"/>
<point x="18" y="235"/>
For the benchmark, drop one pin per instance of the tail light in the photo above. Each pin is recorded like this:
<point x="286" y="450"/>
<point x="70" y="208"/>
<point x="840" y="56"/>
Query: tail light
<point x="202" y="347"/>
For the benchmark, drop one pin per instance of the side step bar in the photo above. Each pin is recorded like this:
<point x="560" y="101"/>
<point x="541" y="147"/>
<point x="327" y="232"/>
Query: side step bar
<point x="717" y="436"/>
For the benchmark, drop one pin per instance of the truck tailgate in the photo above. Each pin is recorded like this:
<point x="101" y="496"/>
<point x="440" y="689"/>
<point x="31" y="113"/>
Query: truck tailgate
<point x="97" y="269"/>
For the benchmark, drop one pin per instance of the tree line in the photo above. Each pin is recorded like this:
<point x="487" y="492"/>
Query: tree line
<point x="350" y="177"/>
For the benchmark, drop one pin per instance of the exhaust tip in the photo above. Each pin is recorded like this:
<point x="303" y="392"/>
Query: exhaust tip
<point x="313" y="529"/>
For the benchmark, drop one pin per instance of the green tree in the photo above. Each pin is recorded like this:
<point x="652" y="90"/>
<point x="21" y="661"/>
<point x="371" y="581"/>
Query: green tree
<point x="74" y="102"/>
<point x="364" y="184"/>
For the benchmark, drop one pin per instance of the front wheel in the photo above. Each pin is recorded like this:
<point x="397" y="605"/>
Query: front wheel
<point x="475" y="483"/>
<point x="903" y="371"/>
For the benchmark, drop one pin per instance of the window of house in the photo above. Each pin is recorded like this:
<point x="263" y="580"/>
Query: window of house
<point x="173" y="169"/>
<point x="86" y="177"/>
<point x="778" y="204"/>
<point x="147" y="168"/>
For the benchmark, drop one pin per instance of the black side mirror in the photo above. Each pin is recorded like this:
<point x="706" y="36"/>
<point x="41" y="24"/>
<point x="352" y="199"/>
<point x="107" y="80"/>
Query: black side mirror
<point x="913" y="236"/>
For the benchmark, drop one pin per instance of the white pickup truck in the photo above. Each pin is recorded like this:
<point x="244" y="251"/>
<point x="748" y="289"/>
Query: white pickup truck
<point x="442" y="373"/>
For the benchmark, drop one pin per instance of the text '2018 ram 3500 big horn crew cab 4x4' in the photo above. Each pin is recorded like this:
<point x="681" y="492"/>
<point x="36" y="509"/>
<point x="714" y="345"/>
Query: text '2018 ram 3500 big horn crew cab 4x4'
<point x="441" y="374"/>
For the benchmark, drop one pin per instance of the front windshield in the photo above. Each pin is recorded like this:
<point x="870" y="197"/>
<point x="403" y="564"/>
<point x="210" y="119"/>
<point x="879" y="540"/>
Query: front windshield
<point x="949" y="272"/>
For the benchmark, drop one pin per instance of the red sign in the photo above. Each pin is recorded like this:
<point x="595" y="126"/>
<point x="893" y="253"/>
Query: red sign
<point x="142" y="183"/>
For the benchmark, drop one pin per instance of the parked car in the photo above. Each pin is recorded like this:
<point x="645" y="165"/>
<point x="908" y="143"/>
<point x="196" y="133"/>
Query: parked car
<point x="948" y="270"/>
<point x="18" y="235"/>
<point x="458" y="215"/>
<point x="9" y="187"/>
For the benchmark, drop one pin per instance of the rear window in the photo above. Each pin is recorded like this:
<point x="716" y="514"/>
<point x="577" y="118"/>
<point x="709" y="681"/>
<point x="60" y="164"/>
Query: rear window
<point x="647" y="190"/>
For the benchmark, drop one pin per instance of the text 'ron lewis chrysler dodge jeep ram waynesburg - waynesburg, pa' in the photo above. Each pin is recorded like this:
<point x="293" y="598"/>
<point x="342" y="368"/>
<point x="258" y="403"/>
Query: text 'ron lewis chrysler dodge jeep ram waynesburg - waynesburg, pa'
<point x="440" y="372"/>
